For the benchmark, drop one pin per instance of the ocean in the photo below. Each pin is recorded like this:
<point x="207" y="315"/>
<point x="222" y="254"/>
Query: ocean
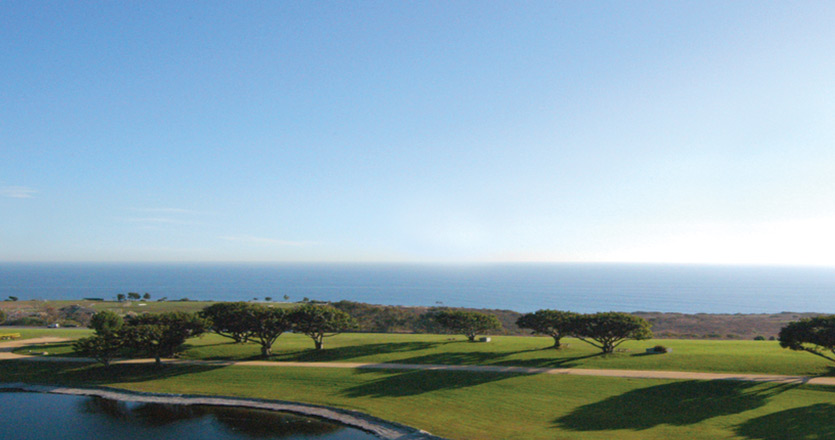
<point x="521" y="287"/>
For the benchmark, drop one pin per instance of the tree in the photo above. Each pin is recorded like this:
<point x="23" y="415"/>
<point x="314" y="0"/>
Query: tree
<point x="317" y="321"/>
<point x="554" y="323"/>
<point x="2" y="316"/>
<point x="120" y="297"/>
<point x="286" y="297"/>
<point x="133" y="296"/>
<point x="267" y="324"/>
<point x="163" y="334"/>
<point x="610" y="329"/>
<point x="106" y="322"/>
<point x="146" y="296"/>
<point x="105" y="344"/>
<point x="230" y="319"/>
<point x="102" y="347"/>
<point x="12" y="298"/>
<point x="467" y="323"/>
<point x="815" y="335"/>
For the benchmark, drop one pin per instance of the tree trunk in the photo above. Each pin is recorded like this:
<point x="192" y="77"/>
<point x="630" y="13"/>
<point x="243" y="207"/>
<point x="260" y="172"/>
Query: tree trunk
<point x="556" y="343"/>
<point x="266" y="351"/>
<point x="471" y="337"/>
<point x="158" y="361"/>
<point x="319" y="343"/>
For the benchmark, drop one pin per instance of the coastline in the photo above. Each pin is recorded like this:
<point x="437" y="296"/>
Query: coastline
<point x="354" y="419"/>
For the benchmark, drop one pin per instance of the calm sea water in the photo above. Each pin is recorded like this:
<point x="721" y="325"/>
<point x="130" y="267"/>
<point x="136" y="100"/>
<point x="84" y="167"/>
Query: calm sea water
<point x="520" y="287"/>
<point x="30" y="416"/>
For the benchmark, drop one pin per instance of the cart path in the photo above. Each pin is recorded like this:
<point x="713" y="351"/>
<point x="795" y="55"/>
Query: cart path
<point x="7" y="347"/>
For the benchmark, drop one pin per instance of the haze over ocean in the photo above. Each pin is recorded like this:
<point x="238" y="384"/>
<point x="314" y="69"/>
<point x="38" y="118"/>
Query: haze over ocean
<point x="522" y="287"/>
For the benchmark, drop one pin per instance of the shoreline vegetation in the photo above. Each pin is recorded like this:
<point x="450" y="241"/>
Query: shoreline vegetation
<point x="373" y="318"/>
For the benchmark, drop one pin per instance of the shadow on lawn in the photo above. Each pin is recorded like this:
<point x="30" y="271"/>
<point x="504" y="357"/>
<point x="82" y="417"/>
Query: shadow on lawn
<point x="808" y="422"/>
<point x="49" y="347"/>
<point x="677" y="403"/>
<point x="352" y="352"/>
<point x="71" y="373"/>
<point x="496" y="359"/>
<point x="414" y="382"/>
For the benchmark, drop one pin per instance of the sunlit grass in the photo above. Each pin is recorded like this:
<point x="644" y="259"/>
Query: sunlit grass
<point x="461" y="405"/>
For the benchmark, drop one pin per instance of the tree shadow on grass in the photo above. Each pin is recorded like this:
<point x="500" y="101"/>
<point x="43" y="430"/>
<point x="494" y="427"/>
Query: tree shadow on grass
<point x="352" y="352"/>
<point x="414" y="382"/>
<point x="88" y="374"/>
<point x="804" y="423"/>
<point x="497" y="359"/>
<point x="48" y="347"/>
<point x="677" y="403"/>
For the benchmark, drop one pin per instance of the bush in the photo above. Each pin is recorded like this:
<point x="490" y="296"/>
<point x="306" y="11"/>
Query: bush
<point x="660" y="349"/>
<point x="759" y="338"/>
<point x="28" y="321"/>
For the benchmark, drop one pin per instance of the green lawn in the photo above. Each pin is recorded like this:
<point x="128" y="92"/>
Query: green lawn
<point x="688" y="355"/>
<point x="462" y="405"/>
<point x="40" y="332"/>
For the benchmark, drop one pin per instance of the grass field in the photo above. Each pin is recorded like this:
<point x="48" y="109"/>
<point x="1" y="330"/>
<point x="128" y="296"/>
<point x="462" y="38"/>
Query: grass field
<point x="462" y="405"/>
<point x="687" y="355"/>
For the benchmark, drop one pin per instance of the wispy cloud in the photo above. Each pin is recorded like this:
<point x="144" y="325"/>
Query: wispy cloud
<point x="159" y="221"/>
<point x="17" y="192"/>
<point x="264" y="241"/>
<point x="169" y="211"/>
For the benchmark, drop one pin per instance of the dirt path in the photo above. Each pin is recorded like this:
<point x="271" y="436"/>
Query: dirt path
<point x="6" y="347"/>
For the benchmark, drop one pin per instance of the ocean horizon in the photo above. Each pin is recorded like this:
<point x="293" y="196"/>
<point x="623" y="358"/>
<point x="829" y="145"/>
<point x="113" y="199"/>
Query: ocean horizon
<point x="523" y="287"/>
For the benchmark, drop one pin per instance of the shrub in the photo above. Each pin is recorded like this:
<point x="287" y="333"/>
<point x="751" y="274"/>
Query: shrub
<point x="28" y="321"/>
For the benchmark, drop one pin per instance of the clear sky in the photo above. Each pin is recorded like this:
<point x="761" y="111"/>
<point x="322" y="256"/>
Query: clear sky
<point x="431" y="131"/>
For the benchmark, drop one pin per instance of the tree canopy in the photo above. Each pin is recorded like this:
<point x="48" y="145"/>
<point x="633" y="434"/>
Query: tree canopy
<point x="266" y="324"/>
<point x="317" y="321"/>
<point x="468" y="323"/>
<point x="815" y="335"/>
<point x="554" y="323"/>
<point x="106" y="322"/>
<point x="163" y="334"/>
<point x="103" y="347"/>
<point x="230" y="319"/>
<point x="608" y="330"/>
<point x="106" y="343"/>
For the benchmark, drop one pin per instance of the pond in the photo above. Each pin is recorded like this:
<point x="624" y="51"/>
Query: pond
<point x="36" y="416"/>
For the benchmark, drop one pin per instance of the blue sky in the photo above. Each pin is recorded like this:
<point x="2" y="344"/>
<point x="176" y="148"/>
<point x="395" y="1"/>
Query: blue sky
<point x="679" y="132"/>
